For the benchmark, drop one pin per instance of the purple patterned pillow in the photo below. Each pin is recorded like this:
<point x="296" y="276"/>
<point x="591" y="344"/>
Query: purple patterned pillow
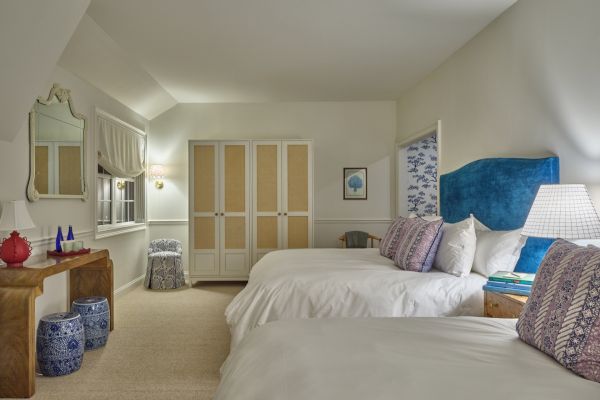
<point x="561" y="317"/>
<point x="389" y="242"/>
<point x="417" y="244"/>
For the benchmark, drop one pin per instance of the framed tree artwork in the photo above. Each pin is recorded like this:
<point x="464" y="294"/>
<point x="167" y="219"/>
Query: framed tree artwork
<point x="355" y="184"/>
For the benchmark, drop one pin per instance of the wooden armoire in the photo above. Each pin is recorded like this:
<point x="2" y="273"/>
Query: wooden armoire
<point x="247" y="198"/>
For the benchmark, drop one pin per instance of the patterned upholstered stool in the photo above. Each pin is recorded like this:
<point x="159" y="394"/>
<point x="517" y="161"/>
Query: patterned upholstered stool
<point x="59" y="343"/>
<point x="95" y="316"/>
<point x="164" y="270"/>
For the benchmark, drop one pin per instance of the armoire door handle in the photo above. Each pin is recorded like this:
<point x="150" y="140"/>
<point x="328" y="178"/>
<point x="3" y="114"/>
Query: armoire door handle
<point x="216" y="214"/>
<point x="284" y="213"/>
<point x="278" y="213"/>
<point x="222" y="214"/>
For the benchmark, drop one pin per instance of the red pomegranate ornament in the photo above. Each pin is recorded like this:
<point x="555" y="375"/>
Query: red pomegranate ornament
<point x="15" y="250"/>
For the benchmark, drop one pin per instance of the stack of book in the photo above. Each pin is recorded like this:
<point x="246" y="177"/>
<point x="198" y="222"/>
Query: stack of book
<point x="510" y="282"/>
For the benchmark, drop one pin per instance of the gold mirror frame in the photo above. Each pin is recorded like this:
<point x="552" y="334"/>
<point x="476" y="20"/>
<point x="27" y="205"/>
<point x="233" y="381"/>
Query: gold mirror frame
<point x="61" y="95"/>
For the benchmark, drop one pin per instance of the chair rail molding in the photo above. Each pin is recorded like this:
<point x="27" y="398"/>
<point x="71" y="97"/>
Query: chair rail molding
<point x="372" y="220"/>
<point x="49" y="240"/>
<point x="167" y="222"/>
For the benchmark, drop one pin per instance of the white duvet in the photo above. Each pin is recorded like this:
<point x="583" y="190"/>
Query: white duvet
<point x="330" y="283"/>
<point x="463" y="358"/>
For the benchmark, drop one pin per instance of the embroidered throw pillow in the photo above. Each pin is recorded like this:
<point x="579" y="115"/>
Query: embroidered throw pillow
<point x="417" y="244"/>
<point x="561" y="317"/>
<point x="389" y="241"/>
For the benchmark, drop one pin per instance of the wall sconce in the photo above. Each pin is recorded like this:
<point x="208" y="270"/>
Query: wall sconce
<point x="120" y="185"/>
<point x="157" y="173"/>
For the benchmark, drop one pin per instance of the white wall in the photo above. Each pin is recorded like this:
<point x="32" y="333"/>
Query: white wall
<point x="127" y="251"/>
<point x="527" y="85"/>
<point x="345" y="134"/>
<point x="34" y="34"/>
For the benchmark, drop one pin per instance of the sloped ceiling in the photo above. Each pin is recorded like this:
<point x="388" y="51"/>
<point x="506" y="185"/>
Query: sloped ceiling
<point x="94" y="56"/>
<point x="280" y="50"/>
<point x="34" y="34"/>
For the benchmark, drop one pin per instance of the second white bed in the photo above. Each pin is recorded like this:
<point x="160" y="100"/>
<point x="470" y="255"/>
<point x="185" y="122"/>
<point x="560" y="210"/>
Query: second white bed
<point x="346" y="283"/>
<point x="395" y="358"/>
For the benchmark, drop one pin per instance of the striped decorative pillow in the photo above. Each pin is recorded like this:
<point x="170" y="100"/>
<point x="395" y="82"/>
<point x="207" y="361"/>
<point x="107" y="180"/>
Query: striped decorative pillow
<point x="389" y="242"/>
<point x="417" y="244"/>
<point x="561" y="317"/>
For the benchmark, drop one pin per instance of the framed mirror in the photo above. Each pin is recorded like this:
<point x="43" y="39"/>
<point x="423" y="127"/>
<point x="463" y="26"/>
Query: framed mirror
<point x="57" y="137"/>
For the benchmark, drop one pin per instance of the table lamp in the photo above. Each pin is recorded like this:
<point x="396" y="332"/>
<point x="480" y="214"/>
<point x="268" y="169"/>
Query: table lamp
<point x="562" y="211"/>
<point x="15" y="249"/>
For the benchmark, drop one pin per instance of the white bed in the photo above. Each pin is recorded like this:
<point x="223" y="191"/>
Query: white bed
<point x="395" y="358"/>
<point x="330" y="283"/>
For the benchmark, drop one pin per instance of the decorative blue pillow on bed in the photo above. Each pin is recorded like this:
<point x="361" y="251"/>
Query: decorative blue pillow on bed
<point x="532" y="254"/>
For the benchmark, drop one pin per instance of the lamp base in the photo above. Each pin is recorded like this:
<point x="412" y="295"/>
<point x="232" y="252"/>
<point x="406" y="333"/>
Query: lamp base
<point x="15" y="250"/>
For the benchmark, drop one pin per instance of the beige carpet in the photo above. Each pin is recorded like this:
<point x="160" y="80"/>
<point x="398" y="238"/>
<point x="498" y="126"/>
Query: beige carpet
<point x="166" y="345"/>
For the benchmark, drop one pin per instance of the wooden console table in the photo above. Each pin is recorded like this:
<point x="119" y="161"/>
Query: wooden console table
<point x="89" y="275"/>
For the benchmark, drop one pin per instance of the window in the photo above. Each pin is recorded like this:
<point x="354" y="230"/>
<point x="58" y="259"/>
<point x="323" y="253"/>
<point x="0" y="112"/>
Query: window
<point x="116" y="199"/>
<point x="105" y="195"/>
<point x="120" y="201"/>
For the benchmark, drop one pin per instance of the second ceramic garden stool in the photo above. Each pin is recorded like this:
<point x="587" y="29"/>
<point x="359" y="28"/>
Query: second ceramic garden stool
<point x="59" y="343"/>
<point x="95" y="316"/>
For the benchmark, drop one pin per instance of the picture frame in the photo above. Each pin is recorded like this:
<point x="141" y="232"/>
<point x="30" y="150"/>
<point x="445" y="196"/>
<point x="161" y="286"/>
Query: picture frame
<point x="355" y="183"/>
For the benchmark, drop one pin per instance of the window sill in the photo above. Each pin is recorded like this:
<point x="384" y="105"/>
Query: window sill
<point x="103" y="232"/>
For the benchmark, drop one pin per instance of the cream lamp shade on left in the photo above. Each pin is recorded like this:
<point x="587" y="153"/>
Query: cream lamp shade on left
<point x="15" y="249"/>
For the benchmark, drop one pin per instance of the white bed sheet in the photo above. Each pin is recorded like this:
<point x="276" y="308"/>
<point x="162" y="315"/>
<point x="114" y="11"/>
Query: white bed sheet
<point x="464" y="358"/>
<point x="350" y="283"/>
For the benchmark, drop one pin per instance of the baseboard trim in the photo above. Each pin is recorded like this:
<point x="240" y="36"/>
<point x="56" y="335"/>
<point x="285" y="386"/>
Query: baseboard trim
<point x="129" y="286"/>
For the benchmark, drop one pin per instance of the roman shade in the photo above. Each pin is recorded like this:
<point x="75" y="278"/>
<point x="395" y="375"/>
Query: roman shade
<point x="121" y="150"/>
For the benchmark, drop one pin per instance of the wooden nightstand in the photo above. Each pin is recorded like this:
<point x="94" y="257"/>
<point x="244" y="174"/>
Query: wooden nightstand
<point x="502" y="305"/>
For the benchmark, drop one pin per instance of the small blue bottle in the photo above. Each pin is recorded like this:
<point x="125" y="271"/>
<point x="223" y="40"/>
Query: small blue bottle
<point x="70" y="235"/>
<point x="59" y="238"/>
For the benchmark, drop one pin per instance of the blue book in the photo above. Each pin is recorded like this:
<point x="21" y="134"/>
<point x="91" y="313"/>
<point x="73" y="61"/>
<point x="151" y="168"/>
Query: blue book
<point x="514" y="277"/>
<point x="507" y="290"/>
<point x="509" y="285"/>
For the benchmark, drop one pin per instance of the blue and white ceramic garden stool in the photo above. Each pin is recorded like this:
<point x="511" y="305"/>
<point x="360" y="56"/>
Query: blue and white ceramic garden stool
<point x="59" y="343"/>
<point x="95" y="315"/>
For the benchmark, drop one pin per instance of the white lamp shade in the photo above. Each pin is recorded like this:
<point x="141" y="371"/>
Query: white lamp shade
<point x="157" y="171"/>
<point x="15" y="216"/>
<point x="562" y="211"/>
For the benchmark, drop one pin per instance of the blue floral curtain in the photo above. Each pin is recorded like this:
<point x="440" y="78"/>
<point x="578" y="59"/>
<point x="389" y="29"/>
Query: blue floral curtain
<point x="422" y="168"/>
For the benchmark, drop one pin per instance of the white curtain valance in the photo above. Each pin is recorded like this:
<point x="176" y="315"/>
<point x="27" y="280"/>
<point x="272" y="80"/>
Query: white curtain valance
<point x="121" y="151"/>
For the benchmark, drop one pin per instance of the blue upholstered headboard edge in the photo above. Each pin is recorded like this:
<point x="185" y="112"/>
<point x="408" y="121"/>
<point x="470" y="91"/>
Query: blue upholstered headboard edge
<point x="500" y="192"/>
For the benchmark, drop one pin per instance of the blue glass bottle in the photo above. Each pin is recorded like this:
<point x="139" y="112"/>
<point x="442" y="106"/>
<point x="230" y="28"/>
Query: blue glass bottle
<point x="70" y="235"/>
<point x="59" y="238"/>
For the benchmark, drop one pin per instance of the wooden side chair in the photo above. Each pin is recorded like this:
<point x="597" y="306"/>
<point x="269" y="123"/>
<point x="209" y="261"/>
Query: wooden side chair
<point x="370" y="238"/>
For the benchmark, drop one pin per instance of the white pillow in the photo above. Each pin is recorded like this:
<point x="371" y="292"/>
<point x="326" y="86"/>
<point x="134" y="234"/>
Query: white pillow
<point x="479" y="226"/>
<point x="457" y="248"/>
<point x="497" y="251"/>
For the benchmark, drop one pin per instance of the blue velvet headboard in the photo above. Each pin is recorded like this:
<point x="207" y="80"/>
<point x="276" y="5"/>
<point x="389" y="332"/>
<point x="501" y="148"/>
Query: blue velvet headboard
<point x="499" y="192"/>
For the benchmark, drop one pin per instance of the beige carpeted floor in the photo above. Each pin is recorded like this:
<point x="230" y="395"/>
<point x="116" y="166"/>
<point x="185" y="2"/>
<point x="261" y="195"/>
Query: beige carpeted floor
<point x="166" y="345"/>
